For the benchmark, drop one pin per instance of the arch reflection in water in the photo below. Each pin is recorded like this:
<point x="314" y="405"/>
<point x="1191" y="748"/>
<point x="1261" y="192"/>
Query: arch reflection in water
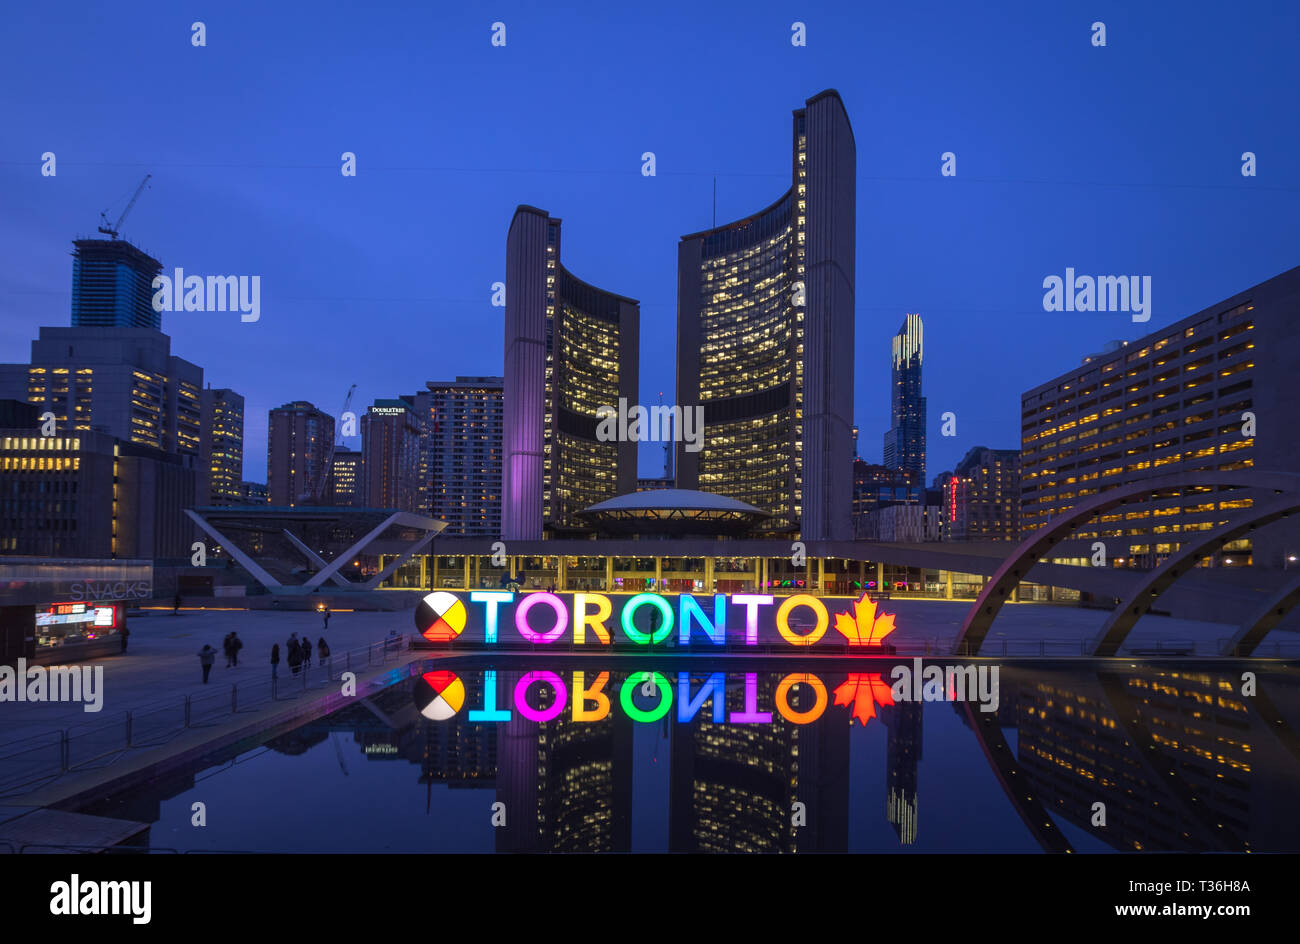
<point x="1179" y="758"/>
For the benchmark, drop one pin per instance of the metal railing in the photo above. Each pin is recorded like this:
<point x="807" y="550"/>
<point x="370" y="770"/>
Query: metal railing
<point x="28" y="762"/>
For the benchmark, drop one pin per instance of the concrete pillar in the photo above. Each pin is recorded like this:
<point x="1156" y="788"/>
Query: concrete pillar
<point x="759" y="567"/>
<point x="880" y="577"/>
<point x="708" y="574"/>
<point x="465" y="578"/>
<point x="477" y="578"/>
<point x="435" y="571"/>
<point x="609" y="574"/>
<point x="948" y="590"/>
<point x="659" y="574"/>
<point x="424" y="571"/>
<point x="821" y="575"/>
<point x="562" y="572"/>
<point x="862" y="575"/>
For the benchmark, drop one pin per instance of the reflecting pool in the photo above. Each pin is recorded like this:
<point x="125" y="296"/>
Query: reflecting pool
<point x="693" y="755"/>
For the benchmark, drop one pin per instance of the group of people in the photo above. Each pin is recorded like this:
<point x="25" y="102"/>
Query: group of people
<point x="299" y="654"/>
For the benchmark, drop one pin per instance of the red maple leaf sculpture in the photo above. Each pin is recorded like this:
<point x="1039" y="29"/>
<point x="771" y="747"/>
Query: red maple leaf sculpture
<point x="864" y="627"/>
<point x="864" y="691"/>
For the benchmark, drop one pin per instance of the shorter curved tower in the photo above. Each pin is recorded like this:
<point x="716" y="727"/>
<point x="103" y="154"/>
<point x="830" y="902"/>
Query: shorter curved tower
<point x="570" y="348"/>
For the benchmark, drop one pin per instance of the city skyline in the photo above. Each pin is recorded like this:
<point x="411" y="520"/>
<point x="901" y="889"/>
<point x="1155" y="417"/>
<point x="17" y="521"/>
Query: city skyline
<point x="1113" y="209"/>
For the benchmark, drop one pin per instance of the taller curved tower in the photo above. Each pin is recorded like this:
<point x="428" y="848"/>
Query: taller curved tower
<point x="765" y="339"/>
<point x="570" y="348"/>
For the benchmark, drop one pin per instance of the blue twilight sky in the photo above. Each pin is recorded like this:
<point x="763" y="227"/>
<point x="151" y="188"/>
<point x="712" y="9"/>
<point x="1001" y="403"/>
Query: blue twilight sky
<point x="1122" y="160"/>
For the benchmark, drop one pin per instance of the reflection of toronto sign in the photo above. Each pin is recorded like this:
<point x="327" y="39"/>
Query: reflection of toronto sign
<point x="649" y="619"/>
<point x="799" y="697"/>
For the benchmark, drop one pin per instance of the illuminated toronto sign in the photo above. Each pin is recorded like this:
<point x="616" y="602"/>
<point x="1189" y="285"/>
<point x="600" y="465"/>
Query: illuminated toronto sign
<point x="650" y="619"/>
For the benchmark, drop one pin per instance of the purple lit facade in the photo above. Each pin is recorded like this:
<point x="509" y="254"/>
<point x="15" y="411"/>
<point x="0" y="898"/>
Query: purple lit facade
<point x="570" y="348"/>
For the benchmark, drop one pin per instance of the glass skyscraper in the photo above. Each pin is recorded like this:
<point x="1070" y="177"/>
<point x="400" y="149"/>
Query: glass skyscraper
<point x="112" y="285"/>
<point x="905" y="440"/>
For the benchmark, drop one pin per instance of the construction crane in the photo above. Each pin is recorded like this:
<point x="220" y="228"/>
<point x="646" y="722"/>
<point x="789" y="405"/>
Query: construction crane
<point x="113" y="230"/>
<point x="319" y="493"/>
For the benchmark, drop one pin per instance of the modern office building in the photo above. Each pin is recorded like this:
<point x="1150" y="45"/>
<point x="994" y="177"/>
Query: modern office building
<point x="254" y="493"/>
<point x="765" y="326"/>
<point x="112" y="285"/>
<point x="875" y="485"/>
<point x="981" y="496"/>
<point x="121" y="381"/>
<point x="345" y="481"/>
<point x="905" y="440"/>
<point x="390" y="455"/>
<point x="461" y="453"/>
<point x="1187" y="397"/>
<point x="570" y="349"/>
<point x="222" y="447"/>
<point x="91" y="495"/>
<point x="299" y="440"/>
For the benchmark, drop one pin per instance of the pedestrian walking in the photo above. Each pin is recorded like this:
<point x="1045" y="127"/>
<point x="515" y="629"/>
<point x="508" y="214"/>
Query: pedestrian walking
<point x="326" y="614"/>
<point x="235" y="645"/>
<point x="124" y="632"/>
<point x="207" y="656"/>
<point x="176" y="608"/>
<point x="275" y="660"/>
<point x="227" y="649"/>
<point x="322" y="650"/>
<point x="295" y="655"/>
<point x="306" y="652"/>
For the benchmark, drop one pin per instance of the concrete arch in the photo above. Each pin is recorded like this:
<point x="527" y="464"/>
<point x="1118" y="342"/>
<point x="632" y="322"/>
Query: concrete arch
<point x="1033" y="548"/>
<point x="1156" y="582"/>
<point x="1257" y="625"/>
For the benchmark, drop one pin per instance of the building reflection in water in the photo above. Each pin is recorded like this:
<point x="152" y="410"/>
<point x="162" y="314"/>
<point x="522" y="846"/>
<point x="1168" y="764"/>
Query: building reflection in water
<point x="734" y="786"/>
<point x="902" y="757"/>
<point x="566" y="785"/>
<point x="1175" y="756"/>
<point x="1182" y="760"/>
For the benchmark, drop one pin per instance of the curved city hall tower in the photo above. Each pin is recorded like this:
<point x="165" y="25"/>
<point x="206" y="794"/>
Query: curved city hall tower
<point x="765" y="340"/>
<point x="570" y="349"/>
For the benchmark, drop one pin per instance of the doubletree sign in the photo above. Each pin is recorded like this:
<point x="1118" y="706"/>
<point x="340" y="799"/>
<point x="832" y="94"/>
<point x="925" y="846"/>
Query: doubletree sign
<point x="648" y="619"/>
